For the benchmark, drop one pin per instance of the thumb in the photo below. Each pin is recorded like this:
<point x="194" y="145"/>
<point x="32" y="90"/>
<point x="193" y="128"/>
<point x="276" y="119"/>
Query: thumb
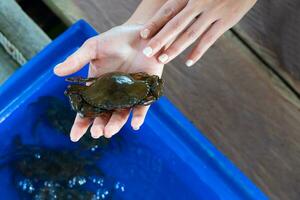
<point x="76" y="61"/>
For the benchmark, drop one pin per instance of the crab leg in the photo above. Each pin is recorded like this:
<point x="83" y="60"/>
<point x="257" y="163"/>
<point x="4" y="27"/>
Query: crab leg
<point x="74" y="89"/>
<point x="79" y="79"/>
<point x="149" y="100"/>
<point x="140" y="76"/>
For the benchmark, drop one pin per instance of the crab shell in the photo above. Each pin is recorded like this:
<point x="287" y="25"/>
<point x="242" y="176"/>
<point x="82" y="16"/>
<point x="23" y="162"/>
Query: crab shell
<point x="113" y="91"/>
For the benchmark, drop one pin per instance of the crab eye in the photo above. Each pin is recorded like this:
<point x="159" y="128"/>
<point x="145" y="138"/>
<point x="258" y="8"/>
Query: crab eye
<point x="123" y="80"/>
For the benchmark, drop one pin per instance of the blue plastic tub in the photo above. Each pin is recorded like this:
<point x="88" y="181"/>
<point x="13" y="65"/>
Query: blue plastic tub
<point x="167" y="159"/>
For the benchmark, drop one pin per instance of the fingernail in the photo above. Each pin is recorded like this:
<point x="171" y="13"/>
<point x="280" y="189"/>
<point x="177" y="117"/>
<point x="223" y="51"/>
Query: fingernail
<point x="96" y="135"/>
<point x="189" y="63"/>
<point x="163" y="58"/>
<point x="145" y="33"/>
<point x="148" y="51"/>
<point x="136" y="128"/>
<point x="55" y="69"/>
<point x="110" y="131"/>
<point x="73" y="139"/>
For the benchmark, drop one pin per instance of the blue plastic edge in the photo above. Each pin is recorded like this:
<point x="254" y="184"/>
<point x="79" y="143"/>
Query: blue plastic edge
<point x="14" y="98"/>
<point x="164" y="110"/>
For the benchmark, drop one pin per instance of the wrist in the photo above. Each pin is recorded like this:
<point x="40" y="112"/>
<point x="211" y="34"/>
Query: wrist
<point x="133" y="21"/>
<point x="144" y="12"/>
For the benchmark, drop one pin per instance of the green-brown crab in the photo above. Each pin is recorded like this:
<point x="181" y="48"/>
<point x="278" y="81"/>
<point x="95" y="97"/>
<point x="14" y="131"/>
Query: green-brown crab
<point x="113" y="91"/>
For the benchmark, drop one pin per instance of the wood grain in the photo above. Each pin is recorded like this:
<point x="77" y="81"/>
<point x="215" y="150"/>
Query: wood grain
<point x="22" y="32"/>
<point x="26" y="36"/>
<point x="233" y="100"/>
<point x="272" y="29"/>
<point x="7" y="65"/>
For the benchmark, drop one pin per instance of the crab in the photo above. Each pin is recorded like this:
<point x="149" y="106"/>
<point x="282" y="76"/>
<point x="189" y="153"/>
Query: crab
<point x="42" y="173"/>
<point x="91" y="97"/>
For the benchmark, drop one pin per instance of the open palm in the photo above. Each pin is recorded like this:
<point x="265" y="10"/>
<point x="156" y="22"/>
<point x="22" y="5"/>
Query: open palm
<point x="119" y="49"/>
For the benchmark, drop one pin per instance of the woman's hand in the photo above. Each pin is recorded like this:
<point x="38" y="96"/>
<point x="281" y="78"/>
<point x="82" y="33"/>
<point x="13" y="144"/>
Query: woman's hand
<point x="180" y="23"/>
<point x="118" y="49"/>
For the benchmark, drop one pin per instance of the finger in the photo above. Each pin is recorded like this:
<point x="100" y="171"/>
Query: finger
<point x="116" y="122"/>
<point x="187" y="38"/>
<point x="206" y="41"/>
<point x="164" y="14"/>
<point x="171" y="30"/>
<point x="97" y="128"/>
<point x="169" y="44"/>
<point x="138" y="117"/>
<point x="79" y="128"/>
<point x="175" y="37"/>
<point x="78" y="59"/>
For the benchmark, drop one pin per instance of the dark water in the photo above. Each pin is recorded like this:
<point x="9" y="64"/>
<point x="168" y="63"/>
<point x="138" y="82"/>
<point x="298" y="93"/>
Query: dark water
<point x="47" y="166"/>
<point x="40" y="162"/>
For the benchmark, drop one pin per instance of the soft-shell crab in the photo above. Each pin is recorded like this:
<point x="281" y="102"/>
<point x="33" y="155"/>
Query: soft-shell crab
<point x="112" y="91"/>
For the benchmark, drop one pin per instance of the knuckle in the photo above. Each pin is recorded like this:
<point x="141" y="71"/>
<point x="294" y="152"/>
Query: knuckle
<point x="208" y="38"/>
<point x="196" y="5"/>
<point x="90" y="43"/>
<point x="199" y="48"/>
<point x="153" y="25"/>
<point x="192" y="8"/>
<point x="80" y="124"/>
<point x="168" y="12"/>
<point x="156" y="43"/>
<point x="173" y="50"/>
<point x="191" y="33"/>
<point x="222" y="5"/>
<point x="225" y="26"/>
<point x="175" y="24"/>
<point x="138" y="116"/>
<point x="92" y="46"/>
<point x="122" y="114"/>
<point x="198" y="52"/>
<point x="72" y="59"/>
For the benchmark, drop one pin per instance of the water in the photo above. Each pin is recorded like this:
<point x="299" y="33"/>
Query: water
<point x="129" y="166"/>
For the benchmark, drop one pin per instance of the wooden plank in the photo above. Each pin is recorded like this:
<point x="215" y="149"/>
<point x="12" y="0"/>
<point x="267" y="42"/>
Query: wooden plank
<point x="22" y="32"/>
<point x="232" y="98"/>
<point x="271" y="28"/>
<point x="26" y="36"/>
<point x="7" y="65"/>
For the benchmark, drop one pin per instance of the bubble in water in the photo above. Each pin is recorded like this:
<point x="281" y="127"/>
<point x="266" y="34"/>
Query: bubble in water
<point x="120" y="186"/>
<point x="98" y="181"/>
<point x="37" y="155"/>
<point x="31" y="189"/>
<point x="81" y="180"/>
<point x="94" y="148"/>
<point x="100" y="194"/>
<point x="117" y="185"/>
<point x="71" y="183"/>
<point x="26" y="185"/>
<point x="77" y="180"/>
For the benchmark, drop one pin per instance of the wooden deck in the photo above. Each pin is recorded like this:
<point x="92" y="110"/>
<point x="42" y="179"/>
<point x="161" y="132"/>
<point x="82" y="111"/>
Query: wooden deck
<point x="238" y="103"/>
